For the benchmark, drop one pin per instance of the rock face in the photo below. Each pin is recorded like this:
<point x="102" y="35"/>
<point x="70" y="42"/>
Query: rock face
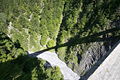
<point x="42" y="24"/>
<point x="110" y="68"/>
<point x="90" y="57"/>
<point x="96" y="51"/>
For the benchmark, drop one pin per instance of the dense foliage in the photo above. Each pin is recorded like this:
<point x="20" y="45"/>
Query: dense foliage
<point x="15" y="64"/>
<point x="85" y="22"/>
<point x="34" y="22"/>
<point x="69" y="26"/>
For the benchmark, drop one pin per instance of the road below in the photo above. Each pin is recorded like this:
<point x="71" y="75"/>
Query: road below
<point x="53" y="59"/>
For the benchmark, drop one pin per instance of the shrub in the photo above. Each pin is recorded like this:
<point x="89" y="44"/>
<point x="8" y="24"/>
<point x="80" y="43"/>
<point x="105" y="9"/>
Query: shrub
<point x="50" y="43"/>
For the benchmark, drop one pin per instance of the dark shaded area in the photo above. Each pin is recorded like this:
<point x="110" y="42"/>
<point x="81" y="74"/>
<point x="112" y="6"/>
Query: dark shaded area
<point x="97" y="37"/>
<point x="79" y="58"/>
<point x="21" y="69"/>
<point x="17" y="44"/>
<point x="15" y="64"/>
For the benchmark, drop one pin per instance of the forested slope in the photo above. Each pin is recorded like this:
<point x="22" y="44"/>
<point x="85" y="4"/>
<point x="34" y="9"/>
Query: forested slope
<point x="15" y="64"/>
<point x="80" y="31"/>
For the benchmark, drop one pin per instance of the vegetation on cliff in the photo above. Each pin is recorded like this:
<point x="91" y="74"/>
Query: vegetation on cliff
<point x="69" y="27"/>
<point x="16" y="64"/>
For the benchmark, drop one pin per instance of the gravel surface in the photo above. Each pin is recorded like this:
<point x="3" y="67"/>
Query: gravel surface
<point x="53" y="59"/>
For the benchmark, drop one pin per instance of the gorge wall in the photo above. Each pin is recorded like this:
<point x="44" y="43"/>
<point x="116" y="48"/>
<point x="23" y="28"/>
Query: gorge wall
<point x="80" y="31"/>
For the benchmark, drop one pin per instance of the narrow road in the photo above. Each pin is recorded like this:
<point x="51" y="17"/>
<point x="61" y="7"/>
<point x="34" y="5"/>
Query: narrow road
<point x="53" y="59"/>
